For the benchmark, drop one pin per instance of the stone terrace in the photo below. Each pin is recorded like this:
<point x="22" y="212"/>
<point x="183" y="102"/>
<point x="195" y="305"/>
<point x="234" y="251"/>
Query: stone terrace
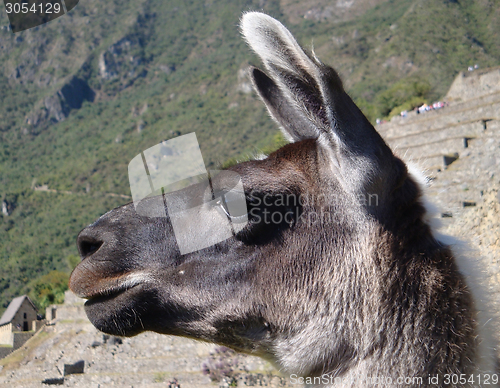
<point x="466" y="129"/>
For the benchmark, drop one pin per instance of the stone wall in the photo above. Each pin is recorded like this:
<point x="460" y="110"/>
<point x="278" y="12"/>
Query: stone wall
<point x="6" y="334"/>
<point x="5" y="351"/>
<point x="38" y="324"/>
<point x="20" y="338"/>
<point x="474" y="84"/>
<point x="12" y="340"/>
<point x="17" y="339"/>
<point x="72" y="309"/>
<point x="71" y="313"/>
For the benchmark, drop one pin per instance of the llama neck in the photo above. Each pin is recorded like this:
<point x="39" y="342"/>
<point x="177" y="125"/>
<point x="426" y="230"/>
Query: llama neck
<point x="414" y="318"/>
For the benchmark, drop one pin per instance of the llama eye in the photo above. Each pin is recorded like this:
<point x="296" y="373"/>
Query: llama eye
<point x="233" y="204"/>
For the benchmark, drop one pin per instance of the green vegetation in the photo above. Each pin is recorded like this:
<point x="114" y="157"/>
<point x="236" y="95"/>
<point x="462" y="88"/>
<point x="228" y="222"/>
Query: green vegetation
<point x="159" y="377"/>
<point x="48" y="289"/>
<point x="161" y="69"/>
<point x="405" y="94"/>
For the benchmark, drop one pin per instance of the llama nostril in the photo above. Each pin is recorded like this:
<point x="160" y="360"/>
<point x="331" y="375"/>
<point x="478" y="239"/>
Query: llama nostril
<point x="88" y="246"/>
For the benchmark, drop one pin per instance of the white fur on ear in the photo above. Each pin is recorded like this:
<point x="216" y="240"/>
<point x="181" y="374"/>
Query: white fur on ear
<point x="288" y="67"/>
<point x="274" y="44"/>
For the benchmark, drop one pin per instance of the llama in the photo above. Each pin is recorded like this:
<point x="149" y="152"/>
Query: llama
<point x="350" y="287"/>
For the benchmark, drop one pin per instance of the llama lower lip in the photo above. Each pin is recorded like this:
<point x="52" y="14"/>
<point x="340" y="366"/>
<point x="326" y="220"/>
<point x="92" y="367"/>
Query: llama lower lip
<point x="107" y="294"/>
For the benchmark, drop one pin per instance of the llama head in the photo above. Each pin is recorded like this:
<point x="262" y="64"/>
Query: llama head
<point x="321" y="276"/>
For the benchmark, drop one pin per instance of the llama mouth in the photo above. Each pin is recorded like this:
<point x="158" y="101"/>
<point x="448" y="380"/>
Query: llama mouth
<point x="108" y="293"/>
<point x="111" y="289"/>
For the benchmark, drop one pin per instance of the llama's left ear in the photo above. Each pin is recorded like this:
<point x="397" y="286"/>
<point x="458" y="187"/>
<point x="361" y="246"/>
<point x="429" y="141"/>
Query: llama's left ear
<point x="308" y="100"/>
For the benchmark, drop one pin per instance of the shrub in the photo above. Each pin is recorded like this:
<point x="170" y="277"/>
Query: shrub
<point x="49" y="289"/>
<point x="405" y="92"/>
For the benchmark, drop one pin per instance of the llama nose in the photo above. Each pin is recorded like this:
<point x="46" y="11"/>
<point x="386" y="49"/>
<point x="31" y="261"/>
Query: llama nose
<point x="88" y="245"/>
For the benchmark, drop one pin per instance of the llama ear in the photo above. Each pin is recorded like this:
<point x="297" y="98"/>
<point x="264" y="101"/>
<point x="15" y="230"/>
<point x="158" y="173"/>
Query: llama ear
<point x="294" y="124"/>
<point x="291" y="93"/>
<point x="307" y="97"/>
